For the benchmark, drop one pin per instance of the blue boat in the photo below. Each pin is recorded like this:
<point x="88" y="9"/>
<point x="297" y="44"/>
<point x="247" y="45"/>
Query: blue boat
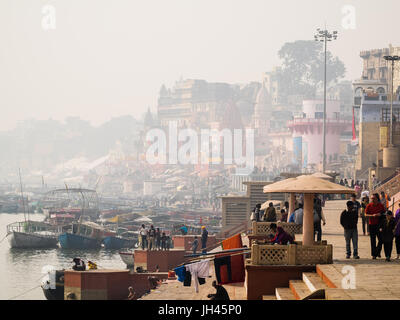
<point x="117" y="242"/>
<point x="83" y="236"/>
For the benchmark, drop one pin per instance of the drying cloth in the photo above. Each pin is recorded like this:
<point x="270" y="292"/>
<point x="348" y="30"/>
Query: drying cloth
<point x="234" y="242"/>
<point x="218" y="263"/>
<point x="188" y="279"/>
<point x="180" y="272"/>
<point x="199" y="270"/>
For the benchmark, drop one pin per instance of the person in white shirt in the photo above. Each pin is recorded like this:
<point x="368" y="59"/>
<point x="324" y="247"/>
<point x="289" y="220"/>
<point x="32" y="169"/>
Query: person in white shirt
<point x="298" y="215"/>
<point x="143" y="236"/>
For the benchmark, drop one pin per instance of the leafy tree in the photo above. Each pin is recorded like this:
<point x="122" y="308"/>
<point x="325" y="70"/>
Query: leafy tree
<point x="302" y="70"/>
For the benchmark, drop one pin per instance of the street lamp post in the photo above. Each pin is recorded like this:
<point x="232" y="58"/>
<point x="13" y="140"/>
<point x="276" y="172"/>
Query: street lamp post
<point x="393" y="59"/>
<point x="324" y="36"/>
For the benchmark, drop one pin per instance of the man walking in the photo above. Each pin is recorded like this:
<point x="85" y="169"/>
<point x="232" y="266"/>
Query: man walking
<point x="348" y="219"/>
<point x="374" y="211"/>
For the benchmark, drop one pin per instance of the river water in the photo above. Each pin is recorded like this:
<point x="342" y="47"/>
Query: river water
<point x="21" y="269"/>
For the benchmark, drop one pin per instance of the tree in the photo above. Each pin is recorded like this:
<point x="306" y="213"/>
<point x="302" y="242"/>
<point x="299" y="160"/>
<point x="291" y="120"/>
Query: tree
<point x="302" y="70"/>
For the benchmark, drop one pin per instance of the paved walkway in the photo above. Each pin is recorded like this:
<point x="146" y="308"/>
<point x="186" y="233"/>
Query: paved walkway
<point x="375" y="279"/>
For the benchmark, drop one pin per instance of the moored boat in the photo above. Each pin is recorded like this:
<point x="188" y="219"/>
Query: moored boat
<point x="127" y="258"/>
<point x="52" y="292"/>
<point x="31" y="234"/>
<point x="86" y="235"/>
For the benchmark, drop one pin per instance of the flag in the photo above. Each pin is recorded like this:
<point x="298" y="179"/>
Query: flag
<point x="230" y="268"/>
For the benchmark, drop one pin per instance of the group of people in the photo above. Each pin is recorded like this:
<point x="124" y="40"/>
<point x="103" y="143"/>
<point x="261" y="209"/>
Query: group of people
<point x="377" y="220"/>
<point x="204" y="238"/>
<point x="269" y="214"/>
<point x="153" y="239"/>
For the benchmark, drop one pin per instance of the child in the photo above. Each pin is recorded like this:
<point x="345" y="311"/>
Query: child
<point x="387" y="229"/>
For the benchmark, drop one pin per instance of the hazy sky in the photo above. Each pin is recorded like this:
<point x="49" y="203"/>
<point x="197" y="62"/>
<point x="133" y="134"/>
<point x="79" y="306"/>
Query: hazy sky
<point x="107" y="58"/>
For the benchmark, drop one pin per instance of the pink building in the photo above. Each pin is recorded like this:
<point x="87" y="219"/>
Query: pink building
<point x="307" y="132"/>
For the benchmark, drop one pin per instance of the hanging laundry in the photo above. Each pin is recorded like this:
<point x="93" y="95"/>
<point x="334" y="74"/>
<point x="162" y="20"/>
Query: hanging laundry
<point x="234" y="242"/>
<point x="188" y="279"/>
<point x="180" y="272"/>
<point x="199" y="270"/>
<point x="230" y="269"/>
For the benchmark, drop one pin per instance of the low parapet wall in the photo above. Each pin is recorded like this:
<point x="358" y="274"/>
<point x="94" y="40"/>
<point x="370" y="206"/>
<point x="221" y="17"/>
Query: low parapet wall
<point x="106" y="284"/>
<point x="165" y="259"/>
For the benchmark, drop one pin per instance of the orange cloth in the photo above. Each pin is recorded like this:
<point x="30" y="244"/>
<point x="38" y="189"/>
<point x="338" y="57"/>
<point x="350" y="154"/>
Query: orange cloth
<point x="234" y="242"/>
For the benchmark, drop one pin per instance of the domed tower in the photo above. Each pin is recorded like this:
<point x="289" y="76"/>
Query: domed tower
<point x="262" y="112"/>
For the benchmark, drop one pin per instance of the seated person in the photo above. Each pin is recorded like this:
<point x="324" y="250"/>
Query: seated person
<point x="92" y="265"/>
<point x="154" y="282"/>
<point x="79" y="264"/>
<point x="221" y="293"/>
<point x="131" y="295"/>
<point x="281" y="236"/>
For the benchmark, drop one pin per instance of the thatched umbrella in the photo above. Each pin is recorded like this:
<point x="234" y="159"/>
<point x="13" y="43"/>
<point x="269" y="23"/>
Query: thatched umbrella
<point x="309" y="186"/>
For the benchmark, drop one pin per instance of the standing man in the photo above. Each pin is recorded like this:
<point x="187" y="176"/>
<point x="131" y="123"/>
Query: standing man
<point x="143" y="235"/>
<point x="152" y="237"/>
<point x="298" y="215"/>
<point x="318" y="217"/>
<point x="204" y="237"/>
<point x="195" y="244"/>
<point x="270" y="213"/>
<point x="374" y="211"/>
<point x="349" y="219"/>
<point x="158" y="239"/>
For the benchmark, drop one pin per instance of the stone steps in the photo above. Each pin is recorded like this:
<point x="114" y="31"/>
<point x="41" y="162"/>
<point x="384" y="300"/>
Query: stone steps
<point x="284" y="294"/>
<point x="269" y="297"/>
<point x="299" y="289"/>
<point x="313" y="281"/>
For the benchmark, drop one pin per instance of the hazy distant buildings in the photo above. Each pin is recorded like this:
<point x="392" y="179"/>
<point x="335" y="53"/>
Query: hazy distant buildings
<point x="192" y="102"/>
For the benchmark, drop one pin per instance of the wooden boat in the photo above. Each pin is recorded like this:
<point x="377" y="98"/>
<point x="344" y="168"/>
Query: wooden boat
<point x="31" y="234"/>
<point x="85" y="235"/>
<point x="127" y="258"/>
<point x="127" y="239"/>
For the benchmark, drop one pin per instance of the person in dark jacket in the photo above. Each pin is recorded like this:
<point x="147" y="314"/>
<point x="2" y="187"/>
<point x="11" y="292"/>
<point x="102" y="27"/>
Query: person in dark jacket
<point x="270" y="213"/>
<point x="349" y="219"/>
<point x="221" y="293"/>
<point x="387" y="228"/>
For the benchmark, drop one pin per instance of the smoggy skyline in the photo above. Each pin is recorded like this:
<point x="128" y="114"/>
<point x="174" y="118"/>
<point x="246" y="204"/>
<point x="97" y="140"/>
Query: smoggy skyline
<point x="102" y="59"/>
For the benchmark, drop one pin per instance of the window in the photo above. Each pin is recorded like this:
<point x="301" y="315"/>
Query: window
<point x="319" y="115"/>
<point x="386" y="114"/>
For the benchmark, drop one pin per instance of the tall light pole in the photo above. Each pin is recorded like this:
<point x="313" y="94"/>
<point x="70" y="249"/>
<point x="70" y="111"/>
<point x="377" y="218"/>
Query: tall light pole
<point x="324" y="36"/>
<point x="393" y="59"/>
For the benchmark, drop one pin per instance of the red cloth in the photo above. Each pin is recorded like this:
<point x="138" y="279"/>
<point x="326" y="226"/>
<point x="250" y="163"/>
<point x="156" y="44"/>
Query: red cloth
<point x="237" y="261"/>
<point x="374" y="209"/>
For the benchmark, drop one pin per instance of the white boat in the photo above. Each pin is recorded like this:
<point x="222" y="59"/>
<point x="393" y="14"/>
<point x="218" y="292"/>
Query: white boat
<point x="127" y="258"/>
<point x="31" y="234"/>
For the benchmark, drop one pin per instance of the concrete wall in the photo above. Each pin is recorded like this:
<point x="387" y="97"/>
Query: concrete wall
<point x="166" y="260"/>
<point x="106" y="284"/>
<point x="185" y="242"/>
<point x="263" y="280"/>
